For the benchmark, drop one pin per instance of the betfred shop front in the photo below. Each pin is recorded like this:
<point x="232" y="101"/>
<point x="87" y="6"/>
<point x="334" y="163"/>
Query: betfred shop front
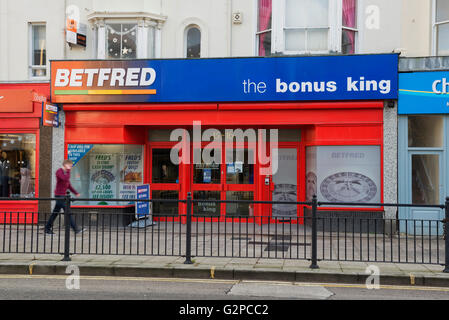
<point x="227" y="129"/>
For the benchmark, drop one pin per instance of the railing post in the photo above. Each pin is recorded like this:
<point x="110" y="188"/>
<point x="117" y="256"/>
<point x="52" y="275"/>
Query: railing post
<point x="314" y="264"/>
<point x="446" y="235"/>
<point x="67" y="228"/>
<point x="189" y="230"/>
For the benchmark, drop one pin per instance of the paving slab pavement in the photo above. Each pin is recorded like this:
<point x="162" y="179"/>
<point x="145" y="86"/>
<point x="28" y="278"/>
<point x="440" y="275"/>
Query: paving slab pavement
<point x="225" y="268"/>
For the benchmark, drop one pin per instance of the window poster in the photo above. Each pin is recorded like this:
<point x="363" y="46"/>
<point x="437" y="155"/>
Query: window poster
<point x="348" y="173"/>
<point x="311" y="178"/>
<point x="130" y="174"/>
<point x="285" y="183"/>
<point x="102" y="176"/>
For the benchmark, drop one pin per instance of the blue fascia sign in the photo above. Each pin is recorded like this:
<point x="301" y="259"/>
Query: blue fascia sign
<point x="252" y="79"/>
<point x="424" y="92"/>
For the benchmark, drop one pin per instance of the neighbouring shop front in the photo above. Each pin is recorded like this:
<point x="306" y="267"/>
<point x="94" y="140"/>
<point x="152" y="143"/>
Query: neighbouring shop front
<point x="173" y="124"/>
<point x="423" y="109"/>
<point x="25" y="146"/>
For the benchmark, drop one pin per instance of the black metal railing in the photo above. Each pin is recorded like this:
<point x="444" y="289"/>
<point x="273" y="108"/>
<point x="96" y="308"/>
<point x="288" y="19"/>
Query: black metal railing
<point x="311" y="235"/>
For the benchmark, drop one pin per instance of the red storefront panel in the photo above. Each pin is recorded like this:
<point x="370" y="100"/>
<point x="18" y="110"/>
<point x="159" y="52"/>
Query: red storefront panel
<point x="327" y="123"/>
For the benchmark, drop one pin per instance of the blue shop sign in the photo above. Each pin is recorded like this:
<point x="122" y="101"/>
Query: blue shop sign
<point x="424" y="93"/>
<point x="351" y="77"/>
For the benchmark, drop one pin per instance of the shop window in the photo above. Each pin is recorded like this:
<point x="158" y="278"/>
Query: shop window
<point x="441" y="27"/>
<point x="239" y="209"/>
<point x="240" y="166"/>
<point x="121" y="41"/>
<point x="165" y="208"/>
<point x="206" y="209"/>
<point x="425" y="179"/>
<point x="207" y="172"/>
<point x="285" y="181"/>
<point x="164" y="170"/>
<point x="38" y="54"/>
<point x="193" y="42"/>
<point x="289" y="135"/>
<point x="425" y="131"/>
<point x="307" y="26"/>
<point x="106" y="171"/>
<point x="343" y="173"/>
<point x="17" y="165"/>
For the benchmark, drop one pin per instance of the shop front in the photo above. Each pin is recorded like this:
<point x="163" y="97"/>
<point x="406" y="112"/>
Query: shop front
<point x="20" y="140"/>
<point x="227" y="129"/>
<point x="423" y="147"/>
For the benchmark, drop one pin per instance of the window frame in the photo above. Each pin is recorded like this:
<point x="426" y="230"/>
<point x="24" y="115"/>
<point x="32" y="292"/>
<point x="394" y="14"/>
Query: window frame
<point x="335" y="29"/>
<point x="31" y="66"/>
<point x="435" y="26"/>
<point x="121" y="23"/>
<point x="186" y="33"/>
<point x="148" y="37"/>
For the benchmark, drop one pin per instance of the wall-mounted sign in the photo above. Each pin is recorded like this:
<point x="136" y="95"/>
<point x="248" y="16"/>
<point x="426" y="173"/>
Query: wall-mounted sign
<point x="50" y="115"/>
<point x="423" y="92"/>
<point x="354" y="77"/>
<point x="76" y="32"/>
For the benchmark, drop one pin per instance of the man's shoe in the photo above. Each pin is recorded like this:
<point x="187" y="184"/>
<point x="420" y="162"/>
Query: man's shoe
<point x="80" y="230"/>
<point x="49" y="231"/>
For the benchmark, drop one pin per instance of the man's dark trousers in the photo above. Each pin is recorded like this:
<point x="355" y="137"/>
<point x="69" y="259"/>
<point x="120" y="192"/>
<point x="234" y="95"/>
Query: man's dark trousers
<point x="60" y="204"/>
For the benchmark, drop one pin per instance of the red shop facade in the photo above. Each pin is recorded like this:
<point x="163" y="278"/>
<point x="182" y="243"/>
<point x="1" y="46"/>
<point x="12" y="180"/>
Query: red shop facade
<point x="24" y="145"/>
<point x="126" y="125"/>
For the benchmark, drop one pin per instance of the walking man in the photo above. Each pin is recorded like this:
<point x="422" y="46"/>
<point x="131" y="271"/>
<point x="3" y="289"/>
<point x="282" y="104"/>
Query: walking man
<point x="62" y="185"/>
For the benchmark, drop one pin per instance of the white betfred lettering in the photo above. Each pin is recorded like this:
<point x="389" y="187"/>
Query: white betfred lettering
<point x="90" y="76"/>
<point x="76" y="78"/>
<point x="112" y="77"/>
<point x="103" y="76"/>
<point x="62" y="77"/>
<point x="118" y="74"/>
<point x="132" y="77"/>
<point x="143" y="76"/>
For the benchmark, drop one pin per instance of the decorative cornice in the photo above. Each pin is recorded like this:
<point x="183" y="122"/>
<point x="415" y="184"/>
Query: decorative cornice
<point x="93" y="17"/>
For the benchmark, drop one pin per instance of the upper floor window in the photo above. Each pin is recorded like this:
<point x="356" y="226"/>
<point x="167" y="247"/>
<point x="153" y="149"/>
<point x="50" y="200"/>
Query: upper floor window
<point x="264" y="28"/>
<point x="193" y="43"/>
<point x="349" y="26"/>
<point x="127" y="35"/>
<point x="38" y="52"/>
<point x="121" y="40"/>
<point x="306" y="26"/>
<point x="441" y="27"/>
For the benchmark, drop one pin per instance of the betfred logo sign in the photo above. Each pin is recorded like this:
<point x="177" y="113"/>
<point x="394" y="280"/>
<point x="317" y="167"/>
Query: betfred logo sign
<point x="102" y="81"/>
<point x="320" y="78"/>
<point x="105" y="77"/>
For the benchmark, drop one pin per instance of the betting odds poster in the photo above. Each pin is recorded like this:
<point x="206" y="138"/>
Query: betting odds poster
<point x="131" y="169"/>
<point x="103" y="181"/>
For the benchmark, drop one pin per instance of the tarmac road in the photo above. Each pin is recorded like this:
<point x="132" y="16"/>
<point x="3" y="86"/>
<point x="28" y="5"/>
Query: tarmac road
<point x="40" y="287"/>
